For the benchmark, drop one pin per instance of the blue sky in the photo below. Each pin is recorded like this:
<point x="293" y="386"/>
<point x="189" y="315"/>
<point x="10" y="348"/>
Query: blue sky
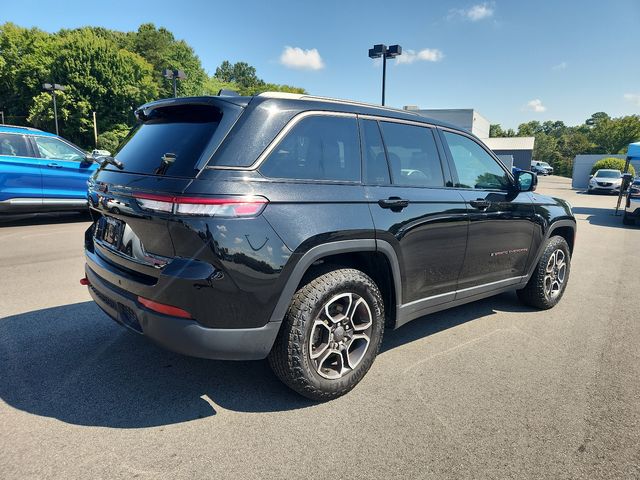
<point x="513" y="61"/>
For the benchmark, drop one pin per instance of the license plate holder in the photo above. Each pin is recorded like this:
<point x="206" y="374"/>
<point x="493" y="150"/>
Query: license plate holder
<point x="111" y="231"/>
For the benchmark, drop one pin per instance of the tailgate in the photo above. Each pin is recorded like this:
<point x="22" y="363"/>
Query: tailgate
<point x="124" y="232"/>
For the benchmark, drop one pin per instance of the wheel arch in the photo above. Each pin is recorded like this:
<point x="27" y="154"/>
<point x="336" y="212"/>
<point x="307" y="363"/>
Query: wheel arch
<point x="375" y="258"/>
<point x="566" y="229"/>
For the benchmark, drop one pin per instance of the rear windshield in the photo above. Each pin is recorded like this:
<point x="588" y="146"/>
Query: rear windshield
<point x="170" y="141"/>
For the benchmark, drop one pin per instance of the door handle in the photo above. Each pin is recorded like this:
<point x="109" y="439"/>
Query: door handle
<point x="394" y="203"/>
<point x="53" y="165"/>
<point x="480" y="204"/>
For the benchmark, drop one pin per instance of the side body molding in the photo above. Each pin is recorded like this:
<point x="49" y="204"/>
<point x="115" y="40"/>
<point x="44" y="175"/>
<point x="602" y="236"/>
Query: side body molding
<point x="333" y="248"/>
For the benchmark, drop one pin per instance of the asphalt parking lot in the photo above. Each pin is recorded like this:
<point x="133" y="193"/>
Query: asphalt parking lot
<point x="487" y="390"/>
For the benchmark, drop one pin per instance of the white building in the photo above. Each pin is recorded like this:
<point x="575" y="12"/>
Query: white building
<point x="466" y="118"/>
<point x="515" y="150"/>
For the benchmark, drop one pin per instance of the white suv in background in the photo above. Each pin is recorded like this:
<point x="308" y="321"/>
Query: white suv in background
<point x="606" y="181"/>
<point x="541" y="168"/>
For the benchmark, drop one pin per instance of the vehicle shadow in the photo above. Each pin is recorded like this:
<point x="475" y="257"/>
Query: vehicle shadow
<point x="20" y="220"/>
<point x="74" y="364"/>
<point x="603" y="217"/>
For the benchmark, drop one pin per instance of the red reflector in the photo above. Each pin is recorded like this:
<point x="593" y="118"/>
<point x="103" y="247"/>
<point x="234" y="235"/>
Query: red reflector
<point x="165" y="309"/>
<point x="85" y="281"/>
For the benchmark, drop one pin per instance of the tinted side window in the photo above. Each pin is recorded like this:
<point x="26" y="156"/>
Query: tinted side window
<point x="376" y="170"/>
<point x="317" y="148"/>
<point x="13" y="145"/>
<point x="476" y="168"/>
<point x="413" y="155"/>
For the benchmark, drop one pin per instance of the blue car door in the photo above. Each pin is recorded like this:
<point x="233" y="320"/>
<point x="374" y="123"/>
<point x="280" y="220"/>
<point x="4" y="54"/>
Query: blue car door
<point x="20" y="174"/>
<point x="64" y="169"/>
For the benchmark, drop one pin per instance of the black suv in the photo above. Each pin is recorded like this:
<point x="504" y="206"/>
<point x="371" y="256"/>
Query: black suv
<point x="298" y="228"/>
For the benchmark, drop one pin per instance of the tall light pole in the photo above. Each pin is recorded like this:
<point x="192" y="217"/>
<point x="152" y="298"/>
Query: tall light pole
<point x="52" y="87"/>
<point x="385" y="52"/>
<point x="174" y="75"/>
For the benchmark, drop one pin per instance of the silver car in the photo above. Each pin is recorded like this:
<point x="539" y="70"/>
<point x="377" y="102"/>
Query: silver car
<point x="605" y="181"/>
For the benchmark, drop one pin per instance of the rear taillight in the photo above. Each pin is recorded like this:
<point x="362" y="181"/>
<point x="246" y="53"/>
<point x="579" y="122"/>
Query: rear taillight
<point x="230" y="207"/>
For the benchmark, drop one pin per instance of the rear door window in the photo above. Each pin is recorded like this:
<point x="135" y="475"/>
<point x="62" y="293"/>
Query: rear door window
<point x="412" y="154"/>
<point x="13" y="145"/>
<point x="320" y="147"/>
<point x="170" y="141"/>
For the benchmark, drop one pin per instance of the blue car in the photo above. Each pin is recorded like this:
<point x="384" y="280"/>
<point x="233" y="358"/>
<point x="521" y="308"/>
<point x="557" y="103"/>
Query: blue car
<point x="40" y="171"/>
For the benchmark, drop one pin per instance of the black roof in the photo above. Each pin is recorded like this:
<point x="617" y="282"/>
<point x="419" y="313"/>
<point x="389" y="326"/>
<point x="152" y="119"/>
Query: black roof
<point x="302" y="103"/>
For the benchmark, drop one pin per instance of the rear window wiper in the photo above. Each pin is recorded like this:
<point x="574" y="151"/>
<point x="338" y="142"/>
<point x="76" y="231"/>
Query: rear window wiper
<point x="103" y="161"/>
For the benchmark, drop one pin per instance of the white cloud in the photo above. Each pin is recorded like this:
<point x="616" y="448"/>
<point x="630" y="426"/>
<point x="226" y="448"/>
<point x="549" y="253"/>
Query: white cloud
<point x="535" y="105"/>
<point x="297" y="58"/>
<point x="560" y="66"/>
<point x="633" y="98"/>
<point x="474" y="13"/>
<point x="425" y="55"/>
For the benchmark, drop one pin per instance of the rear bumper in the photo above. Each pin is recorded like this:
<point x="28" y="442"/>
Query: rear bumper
<point x="178" y="334"/>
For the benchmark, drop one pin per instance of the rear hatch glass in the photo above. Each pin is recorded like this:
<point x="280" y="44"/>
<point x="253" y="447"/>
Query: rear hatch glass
<point x="175" y="140"/>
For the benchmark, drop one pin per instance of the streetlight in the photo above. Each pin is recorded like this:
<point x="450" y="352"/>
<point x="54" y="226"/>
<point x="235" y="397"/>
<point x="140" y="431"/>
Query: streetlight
<point x="385" y="52"/>
<point x="52" y="87"/>
<point x="174" y="75"/>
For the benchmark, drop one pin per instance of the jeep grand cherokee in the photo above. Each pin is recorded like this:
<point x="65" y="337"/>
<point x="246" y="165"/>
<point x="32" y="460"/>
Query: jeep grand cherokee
<point x="298" y="228"/>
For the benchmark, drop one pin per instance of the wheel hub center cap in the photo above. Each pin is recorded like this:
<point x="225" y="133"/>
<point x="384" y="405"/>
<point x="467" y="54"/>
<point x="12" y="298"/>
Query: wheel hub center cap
<point x="338" y="334"/>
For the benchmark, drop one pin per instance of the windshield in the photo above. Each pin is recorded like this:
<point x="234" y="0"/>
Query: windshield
<point x="170" y="141"/>
<point x="545" y="164"/>
<point x="608" y="174"/>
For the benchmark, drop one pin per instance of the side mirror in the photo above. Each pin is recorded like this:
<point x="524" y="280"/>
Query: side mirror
<point x="526" y="181"/>
<point x="590" y="177"/>
<point x="87" y="160"/>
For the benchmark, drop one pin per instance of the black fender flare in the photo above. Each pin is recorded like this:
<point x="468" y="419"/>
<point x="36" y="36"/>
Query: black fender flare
<point x="552" y="228"/>
<point x="333" y="248"/>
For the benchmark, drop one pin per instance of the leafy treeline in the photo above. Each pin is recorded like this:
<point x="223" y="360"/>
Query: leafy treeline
<point x="105" y="71"/>
<point x="558" y="144"/>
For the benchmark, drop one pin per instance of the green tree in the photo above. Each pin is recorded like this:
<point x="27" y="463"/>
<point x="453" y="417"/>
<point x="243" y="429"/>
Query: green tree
<point x="159" y="47"/>
<point x="240" y="73"/>
<point x="108" y="80"/>
<point x="613" y="135"/>
<point x="105" y="71"/>
<point x="25" y="59"/>
<point x="213" y="85"/>
<point x="111" y="139"/>
<point x="495" y="130"/>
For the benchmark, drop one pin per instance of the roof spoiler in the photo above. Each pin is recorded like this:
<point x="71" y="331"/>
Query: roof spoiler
<point x="143" y="111"/>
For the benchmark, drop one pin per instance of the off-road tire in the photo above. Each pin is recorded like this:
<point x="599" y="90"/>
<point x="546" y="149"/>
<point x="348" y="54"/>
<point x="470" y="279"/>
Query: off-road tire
<point x="290" y="356"/>
<point x="534" y="294"/>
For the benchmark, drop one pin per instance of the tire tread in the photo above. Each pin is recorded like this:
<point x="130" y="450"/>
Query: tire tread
<point x="287" y="356"/>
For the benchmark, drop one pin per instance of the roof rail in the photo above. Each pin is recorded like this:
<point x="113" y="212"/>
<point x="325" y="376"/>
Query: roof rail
<point x="20" y="126"/>
<point x="302" y="96"/>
